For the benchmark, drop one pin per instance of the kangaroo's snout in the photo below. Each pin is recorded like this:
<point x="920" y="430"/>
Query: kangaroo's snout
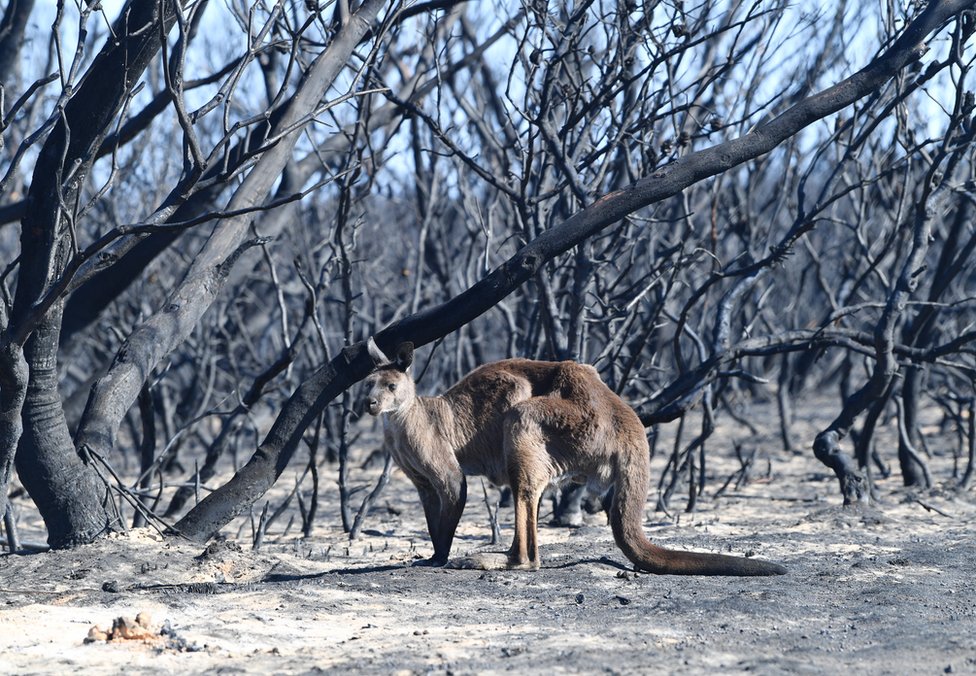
<point x="372" y="406"/>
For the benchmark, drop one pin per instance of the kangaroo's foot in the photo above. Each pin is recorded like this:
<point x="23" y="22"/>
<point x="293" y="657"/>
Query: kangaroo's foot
<point x="432" y="562"/>
<point x="526" y="565"/>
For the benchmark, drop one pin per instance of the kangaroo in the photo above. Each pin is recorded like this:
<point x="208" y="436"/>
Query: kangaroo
<point x="525" y="424"/>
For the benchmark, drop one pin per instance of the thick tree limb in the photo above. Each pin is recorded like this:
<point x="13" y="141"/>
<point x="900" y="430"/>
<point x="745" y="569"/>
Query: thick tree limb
<point x="218" y="508"/>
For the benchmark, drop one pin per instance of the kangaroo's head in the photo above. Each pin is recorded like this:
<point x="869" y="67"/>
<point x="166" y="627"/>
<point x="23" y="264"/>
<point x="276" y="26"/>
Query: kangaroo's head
<point x="390" y="388"/>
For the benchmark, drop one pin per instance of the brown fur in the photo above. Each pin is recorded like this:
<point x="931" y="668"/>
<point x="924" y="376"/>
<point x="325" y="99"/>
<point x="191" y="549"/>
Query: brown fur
<point x="526" y="424"/>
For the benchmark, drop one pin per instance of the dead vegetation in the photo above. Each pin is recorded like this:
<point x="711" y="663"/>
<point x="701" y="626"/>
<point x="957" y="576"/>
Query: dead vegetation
<point x="888" y="588"/>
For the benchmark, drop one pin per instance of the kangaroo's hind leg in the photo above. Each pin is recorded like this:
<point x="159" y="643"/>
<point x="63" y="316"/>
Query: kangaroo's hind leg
<point x="524" y="552"/>
<point x="530" y="471"/>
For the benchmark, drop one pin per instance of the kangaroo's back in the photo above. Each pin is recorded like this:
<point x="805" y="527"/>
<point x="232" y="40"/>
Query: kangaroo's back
<point x="481" y="400"/>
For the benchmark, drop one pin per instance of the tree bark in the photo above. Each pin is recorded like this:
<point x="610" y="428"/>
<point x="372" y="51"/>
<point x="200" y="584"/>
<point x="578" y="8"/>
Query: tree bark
<point x="67" y="492"/>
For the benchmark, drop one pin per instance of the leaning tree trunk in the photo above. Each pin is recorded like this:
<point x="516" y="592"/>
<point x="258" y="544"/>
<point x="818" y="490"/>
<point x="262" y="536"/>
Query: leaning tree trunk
<point x="149" y="342"/>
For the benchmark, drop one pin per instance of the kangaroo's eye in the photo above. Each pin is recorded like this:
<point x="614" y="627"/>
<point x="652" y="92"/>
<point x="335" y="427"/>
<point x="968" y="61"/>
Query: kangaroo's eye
<point x="391" y="387"/>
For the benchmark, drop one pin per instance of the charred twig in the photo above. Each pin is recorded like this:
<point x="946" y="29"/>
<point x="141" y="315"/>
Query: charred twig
<point x="370" y="499"/>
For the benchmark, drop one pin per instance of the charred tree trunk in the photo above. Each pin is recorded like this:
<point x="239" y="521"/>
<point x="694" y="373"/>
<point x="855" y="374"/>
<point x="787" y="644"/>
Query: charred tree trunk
<point x="913" y="471"/>
<point x="68" y="493"/>
<point x="853" y="484"/>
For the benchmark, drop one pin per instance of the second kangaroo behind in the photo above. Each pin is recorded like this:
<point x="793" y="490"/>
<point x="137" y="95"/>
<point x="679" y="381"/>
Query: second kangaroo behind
<point x="525" y="424"/>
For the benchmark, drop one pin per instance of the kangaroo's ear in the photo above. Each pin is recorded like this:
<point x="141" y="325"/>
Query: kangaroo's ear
<point x="376" y="354"/>
<point x="404" y="356"/>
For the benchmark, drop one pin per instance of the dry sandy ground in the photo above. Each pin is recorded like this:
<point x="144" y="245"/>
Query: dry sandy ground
<point x="889" y="589"/>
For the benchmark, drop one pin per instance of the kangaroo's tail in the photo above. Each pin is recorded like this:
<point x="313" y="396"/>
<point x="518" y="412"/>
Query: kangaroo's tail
<point x="626" y="520"/>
